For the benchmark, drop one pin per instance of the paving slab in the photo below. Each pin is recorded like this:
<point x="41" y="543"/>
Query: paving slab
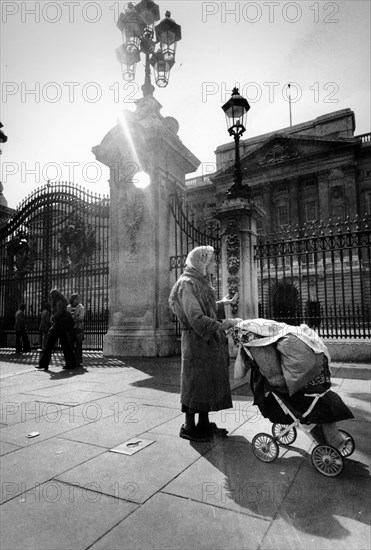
<point x="357" y="397"/>
<point x="139" y="476"/>
<point x="167" y="396"/>
<point x="116" y="429"/>
<point x="230" y="476"/>
<point x="123" y="408"/>
<point x="56" y="516"/>
<point x="337" y="533"/>
<point x="323" y="513"/>
<point x="34" y="380"/>
<point x="21" y="407"/>
<point x="361" y="433"/>
<point x="27" y="467"/>
<point x="6" y="448"/>
<point x="181" y="524"/>
<point x="49" y="425"/>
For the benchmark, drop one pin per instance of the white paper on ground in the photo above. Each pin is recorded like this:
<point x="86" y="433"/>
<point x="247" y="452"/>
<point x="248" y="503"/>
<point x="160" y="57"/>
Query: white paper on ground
<point x="132" y="446"/>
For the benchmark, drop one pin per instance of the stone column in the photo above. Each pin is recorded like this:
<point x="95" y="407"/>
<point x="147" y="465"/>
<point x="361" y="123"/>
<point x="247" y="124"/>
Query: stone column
<point x="239" y="270"/>
<point x="140" y="320"/>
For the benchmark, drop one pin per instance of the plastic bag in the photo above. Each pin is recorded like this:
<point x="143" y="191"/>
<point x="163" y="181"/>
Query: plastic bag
<point x="242" y="364"/>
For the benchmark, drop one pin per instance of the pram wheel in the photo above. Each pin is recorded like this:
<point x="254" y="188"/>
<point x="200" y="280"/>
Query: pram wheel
<point x="327" y="460"/>
<point x="349" y="444"/>
<point x="265" y="447"/>
<point x="286" y="439"/>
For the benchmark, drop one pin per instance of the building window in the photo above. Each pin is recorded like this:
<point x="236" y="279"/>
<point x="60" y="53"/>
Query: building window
<point x="310" y="210"/>
<point x="282" y="214"/>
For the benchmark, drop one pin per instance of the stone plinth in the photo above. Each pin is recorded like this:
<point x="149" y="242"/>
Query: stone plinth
<point x="140" y="322"/>
<point x="238" y="218"/>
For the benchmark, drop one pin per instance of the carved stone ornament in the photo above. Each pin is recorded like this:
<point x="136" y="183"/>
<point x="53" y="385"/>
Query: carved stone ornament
<point x="21" y="254"/>
<point x="76" y="244"/>
<point x="233" y="253"/>
<point x="233" y="266"/>
<point x="132" y="208"/>
<point x="278" y="153"/>
<point x="171" y="124"/>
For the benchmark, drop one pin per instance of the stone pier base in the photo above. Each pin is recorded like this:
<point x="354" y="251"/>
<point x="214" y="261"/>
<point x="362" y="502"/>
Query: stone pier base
<point x="121" y="342"/>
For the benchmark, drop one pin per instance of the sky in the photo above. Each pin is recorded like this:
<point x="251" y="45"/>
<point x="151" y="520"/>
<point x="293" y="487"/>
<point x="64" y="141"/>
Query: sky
<point x="62" y="89"/>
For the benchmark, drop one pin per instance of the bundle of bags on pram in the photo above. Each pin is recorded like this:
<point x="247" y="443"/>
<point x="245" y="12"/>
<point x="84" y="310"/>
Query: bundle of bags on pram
<point x="290" y="358"/>
<point x="295" y="362"/>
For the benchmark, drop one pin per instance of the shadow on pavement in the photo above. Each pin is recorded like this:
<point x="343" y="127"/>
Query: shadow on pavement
<point x="289" y="489"/>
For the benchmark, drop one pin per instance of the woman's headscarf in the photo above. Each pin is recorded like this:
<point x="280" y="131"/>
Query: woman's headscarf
<point x="199" y="257"/>
<point x="194" y="273"/>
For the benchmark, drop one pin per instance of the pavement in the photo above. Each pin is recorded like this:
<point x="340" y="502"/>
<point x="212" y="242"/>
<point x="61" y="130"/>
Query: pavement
<point x="66" y="489"/>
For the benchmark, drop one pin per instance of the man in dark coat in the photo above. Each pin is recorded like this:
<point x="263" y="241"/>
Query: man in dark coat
<point x="205" y="361"/>
<point x="62" y="326"/>
<point x="21" y="339"/>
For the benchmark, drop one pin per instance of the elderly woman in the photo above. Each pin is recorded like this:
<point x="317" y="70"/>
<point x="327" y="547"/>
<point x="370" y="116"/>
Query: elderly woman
<point x="205" y="360"/>
<point x="62" y="325"/>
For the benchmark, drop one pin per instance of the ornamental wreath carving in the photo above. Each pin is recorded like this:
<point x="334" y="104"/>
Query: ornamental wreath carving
<point x="132" y="209"/>
<point x="21" y="253"/>
<point x="76" y="244"/>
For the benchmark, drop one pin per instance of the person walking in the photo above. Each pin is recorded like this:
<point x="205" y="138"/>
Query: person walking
<point x="62" y="326"/>
<point x="22" y="343"/>
<point x="45" y="324"/>
<point x="204" y="347"/>
<point x="77" y="311"/>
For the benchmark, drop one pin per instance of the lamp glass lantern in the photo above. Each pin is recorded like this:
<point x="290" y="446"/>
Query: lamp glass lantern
<point x="162" y="68"/>
<point x="132" y="28"/>
<point x="168" y="33"/>
<point x="148" y="12"/>
<point x="236" y="110"/>
<point x="128" y="62"/>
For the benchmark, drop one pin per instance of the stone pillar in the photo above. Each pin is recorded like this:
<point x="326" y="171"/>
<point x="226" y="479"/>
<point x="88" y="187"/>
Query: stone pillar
<point x="239" y="270"/>
<point x="140" y="320"/>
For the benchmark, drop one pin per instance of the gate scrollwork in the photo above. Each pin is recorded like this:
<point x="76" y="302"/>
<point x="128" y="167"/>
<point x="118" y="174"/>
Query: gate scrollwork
<point x="20" y="254"/>
<point x="76" y="244"/>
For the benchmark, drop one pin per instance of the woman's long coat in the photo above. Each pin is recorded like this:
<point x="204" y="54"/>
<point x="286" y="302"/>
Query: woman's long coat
<point x="205" y="360"/>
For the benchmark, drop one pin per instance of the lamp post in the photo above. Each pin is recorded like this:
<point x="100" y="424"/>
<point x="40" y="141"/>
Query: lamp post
<point x="140" y="35"/>
<point x="235" y="111"/>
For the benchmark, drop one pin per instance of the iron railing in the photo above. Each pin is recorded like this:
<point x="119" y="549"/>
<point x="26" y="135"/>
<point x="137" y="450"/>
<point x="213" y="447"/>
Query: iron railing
<point x="58" y="238"/>
<point x="318" y="275"/>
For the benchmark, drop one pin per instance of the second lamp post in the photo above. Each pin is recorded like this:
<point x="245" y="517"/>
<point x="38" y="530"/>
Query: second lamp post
<point x="235" y="111"/>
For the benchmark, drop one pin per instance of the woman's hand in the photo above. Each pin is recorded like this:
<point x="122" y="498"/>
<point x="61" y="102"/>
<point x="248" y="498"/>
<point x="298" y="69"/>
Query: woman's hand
<point x="227" y="300"/>
<point x="228" y="323"/>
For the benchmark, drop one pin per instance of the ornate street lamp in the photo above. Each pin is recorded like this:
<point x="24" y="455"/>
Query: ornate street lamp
<point x="140" y="35"/>
<point x="235" y="111"/>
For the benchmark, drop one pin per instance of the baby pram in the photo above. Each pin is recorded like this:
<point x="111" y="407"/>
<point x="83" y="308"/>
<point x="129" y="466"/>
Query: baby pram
<point x="290" y="380"/>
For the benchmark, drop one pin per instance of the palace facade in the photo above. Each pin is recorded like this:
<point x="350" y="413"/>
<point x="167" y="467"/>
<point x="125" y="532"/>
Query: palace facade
<point x="316" y="170"/>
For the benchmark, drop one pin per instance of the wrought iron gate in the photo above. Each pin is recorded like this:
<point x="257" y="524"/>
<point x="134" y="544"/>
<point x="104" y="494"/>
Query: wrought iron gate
<point x="185" y="235"/>
<point x="320" y="275"/>
<point x="58" y="238"/>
